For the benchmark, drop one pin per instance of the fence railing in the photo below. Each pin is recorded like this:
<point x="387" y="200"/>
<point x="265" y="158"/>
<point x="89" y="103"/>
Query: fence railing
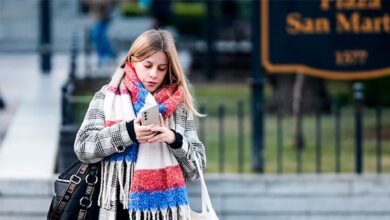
<point x="330" y="141"/>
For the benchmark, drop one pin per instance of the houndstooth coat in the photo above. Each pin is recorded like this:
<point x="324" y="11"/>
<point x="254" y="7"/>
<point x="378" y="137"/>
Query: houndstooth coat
<point x="94" y="141"/>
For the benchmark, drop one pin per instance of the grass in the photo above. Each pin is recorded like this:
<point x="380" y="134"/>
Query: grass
<point x="347" y="152"/>
<point x="214" y="95"/>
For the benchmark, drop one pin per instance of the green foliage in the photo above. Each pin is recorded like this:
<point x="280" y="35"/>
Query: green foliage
<point x="188" y="18"/>
<point x="132" y="9"/>
<point x="374" y="90"/>
<point x="377" y="90"/>
<point x="189" y="10"/>
<point x="340" y="92"/>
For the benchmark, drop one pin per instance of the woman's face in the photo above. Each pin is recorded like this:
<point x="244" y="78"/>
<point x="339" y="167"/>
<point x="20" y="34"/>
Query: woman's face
<point x="152" y="70"/>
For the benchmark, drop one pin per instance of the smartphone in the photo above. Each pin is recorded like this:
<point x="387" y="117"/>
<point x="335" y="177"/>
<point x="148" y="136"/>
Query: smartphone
<point x="150" y="115"/>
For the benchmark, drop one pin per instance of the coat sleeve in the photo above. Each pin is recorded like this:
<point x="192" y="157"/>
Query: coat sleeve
<point x="94" y="141"/>
<point x="192" y="147"/>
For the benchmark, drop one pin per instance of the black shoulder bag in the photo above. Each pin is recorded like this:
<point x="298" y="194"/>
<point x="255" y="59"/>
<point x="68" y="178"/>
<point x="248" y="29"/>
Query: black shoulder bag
<point x="76" y="193"/>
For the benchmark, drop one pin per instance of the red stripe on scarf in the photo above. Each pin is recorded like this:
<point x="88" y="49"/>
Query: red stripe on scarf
<point x="131" y="85"/>
<point x="117" y="91"/>
<point x="158" y="180"/>
<point x="109" y="123"/>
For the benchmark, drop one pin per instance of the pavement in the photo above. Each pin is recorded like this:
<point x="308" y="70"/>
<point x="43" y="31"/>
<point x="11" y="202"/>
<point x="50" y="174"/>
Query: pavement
<point x="31" y="120"/>
<point x="18" y="72"/>
<point x="6" y="116"/>
<point x="12" y="79"/>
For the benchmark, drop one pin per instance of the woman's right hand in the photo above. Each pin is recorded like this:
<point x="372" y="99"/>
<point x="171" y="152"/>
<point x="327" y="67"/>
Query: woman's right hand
<point x="143" y="133"/>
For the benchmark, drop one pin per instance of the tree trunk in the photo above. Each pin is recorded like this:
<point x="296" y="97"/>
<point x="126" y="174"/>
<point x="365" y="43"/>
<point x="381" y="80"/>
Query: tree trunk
<point x="314" y="94"/>
<point x="299" y="140"/>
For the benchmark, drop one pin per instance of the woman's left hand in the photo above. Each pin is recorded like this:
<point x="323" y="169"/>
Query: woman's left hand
<point x="164" y="134"/>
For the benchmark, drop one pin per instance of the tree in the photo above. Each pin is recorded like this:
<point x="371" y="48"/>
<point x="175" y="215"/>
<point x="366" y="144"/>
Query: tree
<point x="314" y="94"/>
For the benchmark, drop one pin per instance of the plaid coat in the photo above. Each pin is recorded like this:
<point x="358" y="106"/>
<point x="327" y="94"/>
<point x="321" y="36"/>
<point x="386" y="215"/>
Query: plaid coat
<point x="94" y="141"/>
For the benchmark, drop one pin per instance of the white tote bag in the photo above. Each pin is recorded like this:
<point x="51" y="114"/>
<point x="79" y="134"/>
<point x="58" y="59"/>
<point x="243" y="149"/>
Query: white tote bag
<point x="208" y="212"/>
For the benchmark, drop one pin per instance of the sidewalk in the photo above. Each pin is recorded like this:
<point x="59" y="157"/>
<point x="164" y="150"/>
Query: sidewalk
<point x="6" y="116"/>
<point x="30" y="122"/>
<point x="19" y="74"/>
<point x="10" y="77"/>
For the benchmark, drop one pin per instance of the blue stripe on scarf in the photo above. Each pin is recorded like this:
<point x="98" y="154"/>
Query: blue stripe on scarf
<point x="141" y="98"/>
<point x="130" y="154"/>
<point x="158" y="200"/>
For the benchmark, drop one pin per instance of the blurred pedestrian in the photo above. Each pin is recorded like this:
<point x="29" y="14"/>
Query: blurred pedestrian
<point x="100" y="11"/>
<point x="144" y="167"/>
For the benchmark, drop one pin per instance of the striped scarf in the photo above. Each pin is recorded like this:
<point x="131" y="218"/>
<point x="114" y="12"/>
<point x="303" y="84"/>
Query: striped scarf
<point x="147" y="176"/>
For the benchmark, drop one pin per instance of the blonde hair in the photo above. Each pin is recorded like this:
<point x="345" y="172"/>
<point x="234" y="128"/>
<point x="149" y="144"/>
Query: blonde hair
<point x="152" y="41"/>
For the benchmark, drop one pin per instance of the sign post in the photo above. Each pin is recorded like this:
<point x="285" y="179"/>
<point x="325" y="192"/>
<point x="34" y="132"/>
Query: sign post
<point x="358" y="97"/>
<point x="45" y="47"/>
<point x="257" y="83"/>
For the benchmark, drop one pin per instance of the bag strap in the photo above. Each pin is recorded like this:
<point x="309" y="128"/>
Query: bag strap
<point x="75" y="179"/>
<point x="86" y="200"/>
<point x="206" y="202"/>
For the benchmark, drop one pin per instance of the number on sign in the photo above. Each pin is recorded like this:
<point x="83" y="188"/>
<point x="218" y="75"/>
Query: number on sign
<point x="351" y="57"/>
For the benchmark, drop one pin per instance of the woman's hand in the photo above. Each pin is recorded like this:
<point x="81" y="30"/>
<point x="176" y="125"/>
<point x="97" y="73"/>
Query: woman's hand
<point x="164" y="134"/>
<point x="143" y="133"/>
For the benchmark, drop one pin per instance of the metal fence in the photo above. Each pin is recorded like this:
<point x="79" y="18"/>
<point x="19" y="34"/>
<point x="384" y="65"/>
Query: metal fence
<point x="331" y="141"/>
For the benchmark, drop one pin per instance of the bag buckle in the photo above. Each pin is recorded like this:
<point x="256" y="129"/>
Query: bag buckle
<point x="85" y="202"/>
<point x="94" y="179"/>
<point x="75" y="179"/>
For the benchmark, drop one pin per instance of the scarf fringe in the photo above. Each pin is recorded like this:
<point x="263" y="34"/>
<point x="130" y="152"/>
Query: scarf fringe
<point x="103" y="182"/>
<point x="129" y="170"/>
<point x="112" y="174"/>
<point x="111" y="184"/>
<point x="181" y="212"/>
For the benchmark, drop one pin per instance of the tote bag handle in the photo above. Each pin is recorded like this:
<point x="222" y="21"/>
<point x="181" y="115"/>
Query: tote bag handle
<point x="206" y="202"/>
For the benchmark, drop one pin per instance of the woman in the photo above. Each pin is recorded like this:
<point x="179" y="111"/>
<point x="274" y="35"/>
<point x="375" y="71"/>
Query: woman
<point x="144" y="168"/>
